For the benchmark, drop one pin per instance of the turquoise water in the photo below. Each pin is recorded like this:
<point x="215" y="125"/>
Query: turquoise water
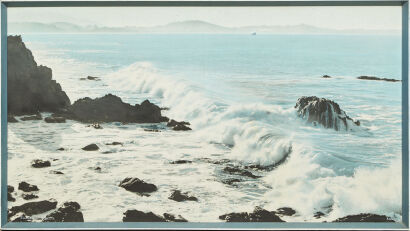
<point x="236" y="89"/>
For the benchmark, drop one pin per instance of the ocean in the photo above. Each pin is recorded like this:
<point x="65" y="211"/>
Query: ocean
<point x="238" y="92"/>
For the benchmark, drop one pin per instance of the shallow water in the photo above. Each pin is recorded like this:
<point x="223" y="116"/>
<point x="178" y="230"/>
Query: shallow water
<point x="238" y="92"/>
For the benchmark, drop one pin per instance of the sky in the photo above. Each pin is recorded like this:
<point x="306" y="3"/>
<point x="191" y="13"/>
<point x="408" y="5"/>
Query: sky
<point x="359" y="17"/>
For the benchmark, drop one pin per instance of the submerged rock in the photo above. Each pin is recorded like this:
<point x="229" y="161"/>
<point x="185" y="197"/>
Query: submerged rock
<point x="26" y="187"/>
<point x="30" y="88"/>
<point x="40" y="163"/>
<point x="54" y="119"/>
<point x="324" y="112"/>
<point x="91" y="147"/>
<point x="241" y="172"/>
<point x="230" y="181"/>
<point x="29" y="196"/>
<point x="111" y="108"/>
<point x="114" y="143"/>
<point x="33" y="117"/>
<point x="60" y="149"/>
<point x="95" y="125"/>
<point x="139" y="216"/>
<point x="258" y="215"/>
<point x="179" y="196"/>
<point x="11" y="119"/>
<point x="56" y="172"/>
<point x="69" y="212"/>
<point x="365" y="217"/>
<point x="377" y="78"/>
<point x="181" y="162"/>
<point x="137" y="185"/>
<point x="33" y="208"/>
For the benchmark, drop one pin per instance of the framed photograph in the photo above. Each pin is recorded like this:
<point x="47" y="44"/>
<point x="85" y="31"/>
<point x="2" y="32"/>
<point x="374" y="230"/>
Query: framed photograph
<point x="204" y="114"/>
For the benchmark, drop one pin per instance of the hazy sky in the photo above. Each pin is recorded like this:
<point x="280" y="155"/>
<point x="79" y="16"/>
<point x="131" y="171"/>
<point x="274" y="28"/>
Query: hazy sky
<point x="364" y="17"/>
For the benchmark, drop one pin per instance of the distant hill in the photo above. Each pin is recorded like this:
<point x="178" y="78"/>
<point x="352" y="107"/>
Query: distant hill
<point x="192" y="26"/>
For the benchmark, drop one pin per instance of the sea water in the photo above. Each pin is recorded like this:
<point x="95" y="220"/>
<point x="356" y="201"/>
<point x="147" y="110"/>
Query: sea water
<point x="238" y="92"/>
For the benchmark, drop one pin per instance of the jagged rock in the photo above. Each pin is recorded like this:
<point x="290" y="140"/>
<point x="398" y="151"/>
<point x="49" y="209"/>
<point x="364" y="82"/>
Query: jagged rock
<point x="324" y="112"/>
<point x="40" y="163"/>
<point x="258" y="215"/>
<point x="11" y="119"/>
<point x="285" y="211"/>
<point x="181" y="162"/>
<point x="52" y="119"/>
<point x="114" y="143"/>
<point x="29" y="196"/>
<point x="138" y="216"/>
<point x="21" y="217"/>
<point x="26" y="187"/>
<point x="96" y="126"/>
<point x="377" y="78"/>
<point x="30" y="88"/>
<point x="33" y="208"/>
<point x="110" y="108"/>
<point x="365" y="217"/>
<point x="34" y="117"/>
<point x="69" y="212"/>
<point x="179" y="126"/>
<point x="241" y="172"/>
<point x="91" y="147"/>
<point x="137" y="185"/>
<point x="171" y="217"/>
<point x="179" y="196"/>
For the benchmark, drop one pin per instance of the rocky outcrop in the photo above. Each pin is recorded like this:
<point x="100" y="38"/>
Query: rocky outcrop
<point x="241" y="172"/>
<point x="137" y="185"/>
<point x="324" y="112"/>
<point x="91" y="147"/>
<point x="30" y="88"/>
<point x="258" y="215"/>
<point x="111" y="108"/>
<point x="139" y="216"/>
<point x="171" y="217"/>
<point x="33" y="208"/>
<point x="69" y="212"/>
<point x="40" y="163"/>
<point x="365" y="217"/>
<point x="26" y="187"/>
<point x="179" y="196"/>
<point x="285" y="211"/>
<point x="179" y="126"/>
<point x="29" y="196"/>
<point x="364" y="77"/>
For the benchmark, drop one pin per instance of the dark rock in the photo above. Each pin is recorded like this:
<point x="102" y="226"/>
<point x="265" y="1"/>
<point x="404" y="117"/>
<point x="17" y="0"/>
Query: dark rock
<point x="20" y="217"/>
<point x="179" y="126"/>
<point x="137" y="185"/>
<point x="52" y="119"/>
<point x="171" y="217"/>
<point x="138" y="216"/>
<point x="258" y="215"/>
<point x="40" y="163"/>
<point x="285" y="211"/>
<point x="96" y="126"/>
<point x="33" y="208"/>
<point x="98" y="169"/>
<point x="365" y="217"/>
<point x="93" y="78"/>
<point x="181" y="162"/>
<point x="230" y="181"/>
<point x="114" y="143"/>
<point x="29" y="196"/>
<point x="34" y="117"/>
<point x="164" y="108"/>
<point x="11" y="119"/>
<point x="377" y="78"/>
<point x="179" y="196"/>
<point x="110" y="108"/>
<point x="324" y="112"/>
<point x="241" y="172"/>
<point x="10" y="188"/>
<point x="318" y="215"/>
<point x="91" y="147"/>
<point x="10" y="197"/>
<point x="26" y="187"/>
<point x="30" y="88"/>
<point x="326" y="76"/>
<point x="69" y="212"/>
<point x="60" y="149"/>
<point x="57" y="172"/>
<point x="152" y="130"/>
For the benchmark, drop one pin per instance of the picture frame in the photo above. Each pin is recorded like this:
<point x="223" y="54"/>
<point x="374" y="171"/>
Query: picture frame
<point x="403" y="225"/>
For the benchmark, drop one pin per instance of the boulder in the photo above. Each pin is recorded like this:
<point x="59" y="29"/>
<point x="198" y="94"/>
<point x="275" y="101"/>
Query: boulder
<point x="69" y="212"/>
<point x="40" y="163"/>
<point x="365" y="217"/>
<point x="11" y="119"/>
<point x="238" y="171"/>
<point x="29" y="196"/>
<point x="91" y="147"/>
<point x="137" y="185"/>
<point x="179" y="126"/>
<point x="33" y="208"/>
<point x="33" y="117"/>
<point x="179" y="196"/>
<point x="52" y="119"/>
<point x="321" y="111"/>
<point x="60" y="149"/>
<point x="364" y="77"/>
<point x="26" y="187"/>
<point x="110" y="108"/>
<point x="258" y="215"/>
<point x="139" y="216"/>
<point x="30" y="88"/>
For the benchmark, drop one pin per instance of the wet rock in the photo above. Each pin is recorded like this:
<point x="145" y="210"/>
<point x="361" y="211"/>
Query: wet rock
<point x="364" y="77"/>
<point x="324" y="112"/>
<point x="137" y="185"/>
<point x="230" y="181"/>
<point x="40" y="163"/>
<point x="10" y="197"/>
<point x="95" y="125"/>
<point x="139" y="216"/>
<point x="97" y="169"/>
<point x="57" y="172"/>
<point x="241" y="172"/>
<point x="92" y="78"/>
<point x="26" y="187"/>
<point x="181" y="162"/>
<point x="69" y="212"/>
<point x="11" y="119"/>
<point x="285" y="211"/>
<point x="60" y="149"/>
<point x="110" y="108"/>
<point x="33" y="117"/>
<point x="20" y="217"/>
<point x="179" y="196"/>
<point x="326" y="76"/>
<point x="114" y="143"/>
<point x="258" y="215"/>
<point x="10" y="188"/>
<point x="365" y="217"/>
<point x="179" y="126"/>
<point x="91" y="147"/>
<point x="29" y="196"/>
<point x="318" y="215"/>
<point x="152" y="130"/>
<point x="33" y="208"/>
<point x="56" y="119"/>
<point x="171" y="217"/>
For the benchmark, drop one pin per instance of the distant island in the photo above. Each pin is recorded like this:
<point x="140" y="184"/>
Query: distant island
<point x="184" y="27"/>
